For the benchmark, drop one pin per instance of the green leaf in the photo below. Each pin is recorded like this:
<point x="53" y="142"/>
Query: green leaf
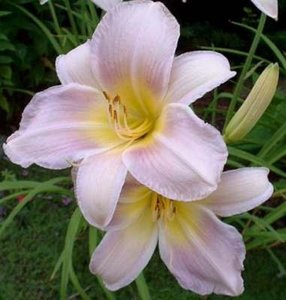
<point x="43" y="27"/>
<point x="4" y="103"/>
<point x="4" y="59"/>
<point x="72" y="231"/>
<point x="4" y="13"/>
<point x="6" y="72"/>
<point x="6" y="45"/>
<point x="143" y="287"/>
<point x="279" y="55"/>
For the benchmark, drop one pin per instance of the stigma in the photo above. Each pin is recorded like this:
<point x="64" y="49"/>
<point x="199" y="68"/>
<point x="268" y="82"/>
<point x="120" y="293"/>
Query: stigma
<point x="162" y="208"/>
<point x="127" y="127"/>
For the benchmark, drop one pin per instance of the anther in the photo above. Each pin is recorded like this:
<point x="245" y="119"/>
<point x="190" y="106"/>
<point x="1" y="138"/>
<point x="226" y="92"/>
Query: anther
<point x="110" y="110"/>
<point x="125" y="110"/>
<point x="106" y="96"/>
<point x="115" y="116"/>
<point x="116" y="100"/>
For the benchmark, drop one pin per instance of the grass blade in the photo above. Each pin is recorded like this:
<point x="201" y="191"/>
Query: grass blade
<point x="72" y="231"/>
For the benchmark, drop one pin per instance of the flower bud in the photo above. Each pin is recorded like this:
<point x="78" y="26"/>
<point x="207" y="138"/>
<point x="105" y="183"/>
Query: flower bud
<point x="254" y="106"/>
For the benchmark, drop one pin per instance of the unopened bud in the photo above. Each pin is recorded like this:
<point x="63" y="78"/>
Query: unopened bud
<point x="254" y="106"/>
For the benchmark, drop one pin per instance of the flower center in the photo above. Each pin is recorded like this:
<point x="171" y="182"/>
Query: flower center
<point x="162" y="208"/>
<point x="127" y="127"/>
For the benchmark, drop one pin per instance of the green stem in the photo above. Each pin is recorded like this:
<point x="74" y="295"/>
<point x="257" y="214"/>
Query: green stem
<point x="71" y="18"/>
<point x="93" y="13"/>
<point x="55" y="18"/>
<point x="84" y="15"/>
<point x="143" y="287"/>
<point x="245" y="69"/>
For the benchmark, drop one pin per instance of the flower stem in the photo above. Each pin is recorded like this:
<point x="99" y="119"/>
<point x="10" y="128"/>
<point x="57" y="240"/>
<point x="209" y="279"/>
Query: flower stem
<point x="71" y="19"/>
<point x="142" y="287"/>
<point x="245" y="69"/>
<point x="55" y="18"/>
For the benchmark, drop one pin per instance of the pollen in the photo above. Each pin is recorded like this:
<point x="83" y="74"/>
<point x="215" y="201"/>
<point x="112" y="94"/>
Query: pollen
<point x="162" y="208"/>
<point x="126" y="126"/>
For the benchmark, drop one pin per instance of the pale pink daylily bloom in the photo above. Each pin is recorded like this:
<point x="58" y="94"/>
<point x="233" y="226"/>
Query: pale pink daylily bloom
<point x="123" y="106"/>
<point x="203" y="253"/>
<point x="269" y="7"/>
<point x="106" y="4"/>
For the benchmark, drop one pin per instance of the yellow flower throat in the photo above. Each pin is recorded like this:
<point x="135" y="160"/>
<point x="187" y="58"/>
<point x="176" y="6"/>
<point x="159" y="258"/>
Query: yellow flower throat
<point x="162" y="208"/>
<point x="127" y="127"/>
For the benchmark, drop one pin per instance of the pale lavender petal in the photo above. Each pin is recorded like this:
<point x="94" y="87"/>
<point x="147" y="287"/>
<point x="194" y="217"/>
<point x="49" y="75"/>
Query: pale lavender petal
<point x="56" y="128"/>
<point x="133" y="50"/>
<point x="123" y="254"/>
<point x="197" y="73"/>
<point x="269" y="7"/>
<point x="106" y="4"/>
<point x="98" y="183"/>
<point x="135" y="200"/>
<point x="75" y="66"/>
<point x="239" y="191"/>
<point x="204" y="254"/>
<point x="183" y="159"/>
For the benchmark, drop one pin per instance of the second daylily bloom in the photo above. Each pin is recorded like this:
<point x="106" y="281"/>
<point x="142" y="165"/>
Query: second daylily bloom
<point x="123" y="106"/>
<point x="203" y="253"/>
<point x="269" y="7"/>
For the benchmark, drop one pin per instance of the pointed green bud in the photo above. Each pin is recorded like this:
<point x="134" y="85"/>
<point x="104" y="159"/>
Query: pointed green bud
<point x="254" y="106"/>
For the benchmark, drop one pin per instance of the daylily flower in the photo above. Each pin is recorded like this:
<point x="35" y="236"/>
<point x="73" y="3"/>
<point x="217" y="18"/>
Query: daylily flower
<point x="123" y="106"/>
<point x="106" y="4"/>
<point x="203" y="253"/>
<point x="269" y="7"/>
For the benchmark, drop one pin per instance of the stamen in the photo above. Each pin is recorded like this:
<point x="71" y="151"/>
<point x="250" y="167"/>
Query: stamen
<point x="118" y="119"/>
<point x="110" y="110"/>
<point x="116" y="99"/>
<point x="115" y="116"/>
<point x="162" y="207"/>
<point x="106" y="96"/>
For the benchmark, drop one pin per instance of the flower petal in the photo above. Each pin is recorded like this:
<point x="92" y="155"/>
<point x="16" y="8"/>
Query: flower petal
<point x="133" y="50"/>
<point x="204" y="254"/>
<point x="75" y="66"/>
<point x="123" y="254"/>
<point x="239" y="191"/>
<point x="182" y="160"/>
<point x="135" y="200"/>
<point x="56" y="128"/>
<point x="106" y="4"/>
<point x="269" y="7"/>
<point x="99" y="181"/>
<point x="195" y="74"/>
